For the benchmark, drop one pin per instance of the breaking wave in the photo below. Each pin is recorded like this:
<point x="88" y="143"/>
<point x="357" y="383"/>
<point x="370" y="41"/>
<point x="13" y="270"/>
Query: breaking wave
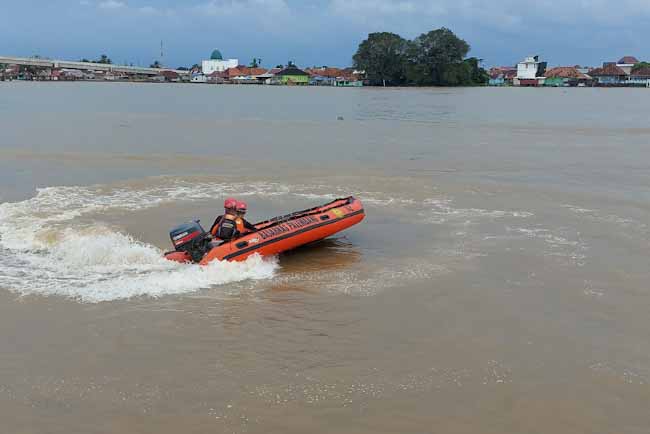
<point x="45" y="250"/>
<point x="96" y="264"/>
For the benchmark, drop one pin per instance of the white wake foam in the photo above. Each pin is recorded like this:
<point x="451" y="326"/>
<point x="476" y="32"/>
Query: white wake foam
<point x="96" y="264"/>
<point x="45" y="251"/>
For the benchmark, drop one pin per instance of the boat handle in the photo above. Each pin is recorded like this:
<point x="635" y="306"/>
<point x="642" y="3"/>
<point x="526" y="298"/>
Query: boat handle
<point x="241" y="244"/>
<point x="325" y="217"/>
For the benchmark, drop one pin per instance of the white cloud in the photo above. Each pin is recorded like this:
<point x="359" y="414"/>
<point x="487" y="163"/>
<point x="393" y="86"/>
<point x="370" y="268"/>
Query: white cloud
<point x="504" y="14"/>
<point x="123" y="6"/>
<point x="345" y="7"/>
<point x="112" y="4"/>
<point x="271" y="17"/>
<point x="237" y="7"/>
<point x="150" y="10"/>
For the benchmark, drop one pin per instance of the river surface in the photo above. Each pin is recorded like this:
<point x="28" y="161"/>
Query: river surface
<point x="499" y="283"/>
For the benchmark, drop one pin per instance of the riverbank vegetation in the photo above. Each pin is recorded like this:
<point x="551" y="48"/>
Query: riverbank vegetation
<point x="436" y="58"/>
<point x="104" y="59"/>
<point x="641" y="65"/>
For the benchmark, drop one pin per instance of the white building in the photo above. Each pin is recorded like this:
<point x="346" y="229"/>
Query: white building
<point x="530" y="72"/>
<point x="199" y="78"/>
<point x="73" y="73"/>
<point x="217" y="63"/>
<point x="530" y="68"/>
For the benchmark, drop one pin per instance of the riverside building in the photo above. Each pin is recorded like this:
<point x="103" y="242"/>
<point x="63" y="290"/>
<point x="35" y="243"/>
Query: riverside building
<point x="216" y="63"/>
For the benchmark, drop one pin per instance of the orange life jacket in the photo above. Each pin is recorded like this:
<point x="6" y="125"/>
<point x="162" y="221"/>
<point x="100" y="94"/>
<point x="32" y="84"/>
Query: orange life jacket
<point x="240" y="225"/>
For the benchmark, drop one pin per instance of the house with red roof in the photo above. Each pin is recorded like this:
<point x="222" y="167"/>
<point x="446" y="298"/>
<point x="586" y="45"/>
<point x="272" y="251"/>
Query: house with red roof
<point x="609" y="75"/>
<point x="10" y="72"/>
<point x="243" y="74"/>
<point x="562" y="76"/>
<point x="329" y="76"/>
<point x="170" y="76"/>
<point x="216" y="77"/>
<point x="640" y="77"/>
<point x="267" y="77"/>
<point x="502" y="75"/>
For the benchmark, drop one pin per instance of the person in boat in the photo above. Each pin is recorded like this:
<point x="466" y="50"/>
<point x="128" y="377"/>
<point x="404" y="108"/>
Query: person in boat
<point x="225" y="226"/>
<point x="243" y="226"/>
<point x="231" y="224"/>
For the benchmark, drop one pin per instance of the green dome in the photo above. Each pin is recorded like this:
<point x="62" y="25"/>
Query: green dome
<point x="216" y="55"/>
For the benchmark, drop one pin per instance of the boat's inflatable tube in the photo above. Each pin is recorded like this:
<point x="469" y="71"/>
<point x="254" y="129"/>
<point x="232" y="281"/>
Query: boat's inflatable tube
<point x="287" y="232"/>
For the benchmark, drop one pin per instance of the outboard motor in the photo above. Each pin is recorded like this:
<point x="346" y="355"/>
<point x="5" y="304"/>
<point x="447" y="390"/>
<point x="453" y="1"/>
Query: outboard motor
<point x="192" y="239"/>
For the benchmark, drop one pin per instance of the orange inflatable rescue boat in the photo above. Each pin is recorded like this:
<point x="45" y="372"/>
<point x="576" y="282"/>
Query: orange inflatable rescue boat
<point x="193" y="244"/>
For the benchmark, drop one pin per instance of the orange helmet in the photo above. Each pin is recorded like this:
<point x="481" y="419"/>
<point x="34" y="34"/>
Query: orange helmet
<point x="241" y="206"/>
<point x="230" y="203"/>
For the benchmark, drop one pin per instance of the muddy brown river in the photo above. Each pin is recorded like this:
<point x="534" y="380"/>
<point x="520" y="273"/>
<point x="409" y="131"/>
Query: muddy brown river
<point x="499" y="283"/>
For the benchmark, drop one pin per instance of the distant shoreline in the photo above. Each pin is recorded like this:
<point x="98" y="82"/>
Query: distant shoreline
<point x="156" y="82"/>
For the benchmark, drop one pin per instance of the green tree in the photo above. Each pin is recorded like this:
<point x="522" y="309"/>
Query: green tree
<point x="156" y="64"/>
<point x="640" y="65"/>
<point x="479" y="74"/>
<point x="84" y="60"/>
<point x="255" y="62"/>
<point x="456" y="74"/>
<point x="466" y="73"/>
<point x="435" y="57"/>
<point x="104" y="59"/>
<point x="382" y="57"/>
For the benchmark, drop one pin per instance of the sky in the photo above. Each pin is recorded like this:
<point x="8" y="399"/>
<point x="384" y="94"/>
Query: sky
<point x="320" y="32"/>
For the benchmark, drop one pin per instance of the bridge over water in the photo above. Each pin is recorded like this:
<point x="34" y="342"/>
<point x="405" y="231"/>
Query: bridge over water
<point x="54" y="63"/>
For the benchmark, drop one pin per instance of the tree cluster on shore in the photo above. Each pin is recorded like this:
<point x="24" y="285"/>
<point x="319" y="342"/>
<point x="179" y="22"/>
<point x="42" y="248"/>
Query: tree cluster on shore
<point x="640" y="65"/>
<point x="104" y="59"/>
<point x="436" y="58"/>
